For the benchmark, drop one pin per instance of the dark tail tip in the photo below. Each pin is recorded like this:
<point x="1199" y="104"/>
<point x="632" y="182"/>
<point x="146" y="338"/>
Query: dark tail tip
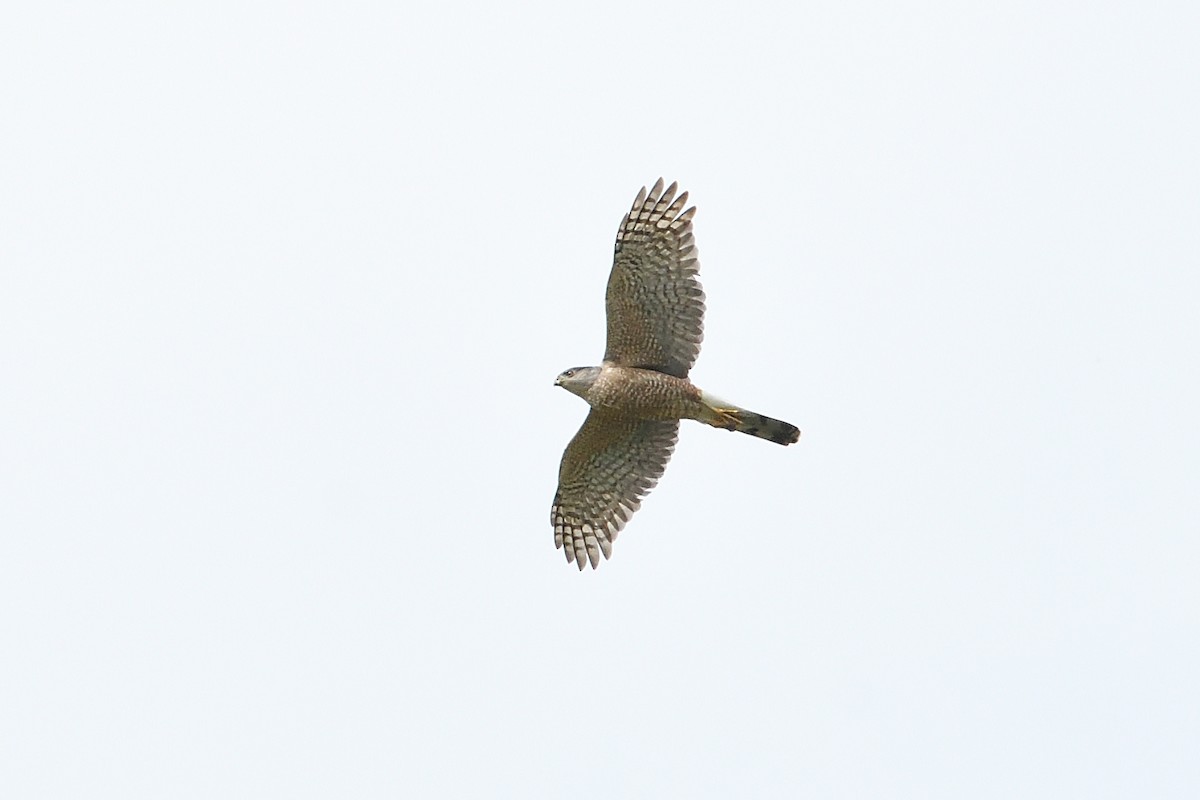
<point x="773" y="430"/>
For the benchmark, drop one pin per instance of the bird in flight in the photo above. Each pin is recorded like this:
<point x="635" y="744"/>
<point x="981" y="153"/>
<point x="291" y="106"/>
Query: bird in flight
<point x="640" y="392"/>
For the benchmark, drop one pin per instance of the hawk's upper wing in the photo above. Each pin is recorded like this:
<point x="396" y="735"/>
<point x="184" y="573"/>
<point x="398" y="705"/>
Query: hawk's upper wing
<point x="655" y="304"/>
<point x="606" y="470"/>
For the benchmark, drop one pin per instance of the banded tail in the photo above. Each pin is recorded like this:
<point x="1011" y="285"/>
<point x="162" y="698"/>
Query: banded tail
<point x="720" y="414"/>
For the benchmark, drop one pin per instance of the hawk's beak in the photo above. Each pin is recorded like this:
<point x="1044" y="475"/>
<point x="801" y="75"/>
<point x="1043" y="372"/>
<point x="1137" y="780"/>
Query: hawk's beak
<point x="558" y="381"/>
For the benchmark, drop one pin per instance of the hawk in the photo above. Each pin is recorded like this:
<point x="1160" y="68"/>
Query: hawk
<point x="638" y="395"/>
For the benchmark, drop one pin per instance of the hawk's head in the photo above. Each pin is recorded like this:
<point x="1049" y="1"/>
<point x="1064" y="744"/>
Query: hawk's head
<point x="578" y="380"/>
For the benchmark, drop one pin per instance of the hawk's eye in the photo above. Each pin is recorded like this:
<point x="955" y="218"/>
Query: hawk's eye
<point x="569" y="373"/>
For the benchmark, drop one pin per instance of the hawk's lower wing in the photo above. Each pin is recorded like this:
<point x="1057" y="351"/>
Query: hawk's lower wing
<point x="607" y="469"/>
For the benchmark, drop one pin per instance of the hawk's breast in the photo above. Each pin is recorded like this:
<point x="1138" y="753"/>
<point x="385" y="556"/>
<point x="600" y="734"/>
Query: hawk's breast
<point x="643" y="394"/>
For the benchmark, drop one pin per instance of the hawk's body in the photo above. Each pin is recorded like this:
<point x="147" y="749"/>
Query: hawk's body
<point x="655" y="309"/>
<point x="643" y="393"/>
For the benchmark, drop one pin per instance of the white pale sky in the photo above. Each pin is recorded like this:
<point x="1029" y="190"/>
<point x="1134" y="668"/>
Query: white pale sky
<point x="283" y="291"/>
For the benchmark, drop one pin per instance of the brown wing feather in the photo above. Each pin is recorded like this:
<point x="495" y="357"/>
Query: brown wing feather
<point x="654" y="302"/>
<point x="606" y="470"/>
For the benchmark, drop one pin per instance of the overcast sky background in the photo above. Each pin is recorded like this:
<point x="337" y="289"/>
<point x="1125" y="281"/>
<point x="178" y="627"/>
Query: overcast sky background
<point x="284" y="290"/>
